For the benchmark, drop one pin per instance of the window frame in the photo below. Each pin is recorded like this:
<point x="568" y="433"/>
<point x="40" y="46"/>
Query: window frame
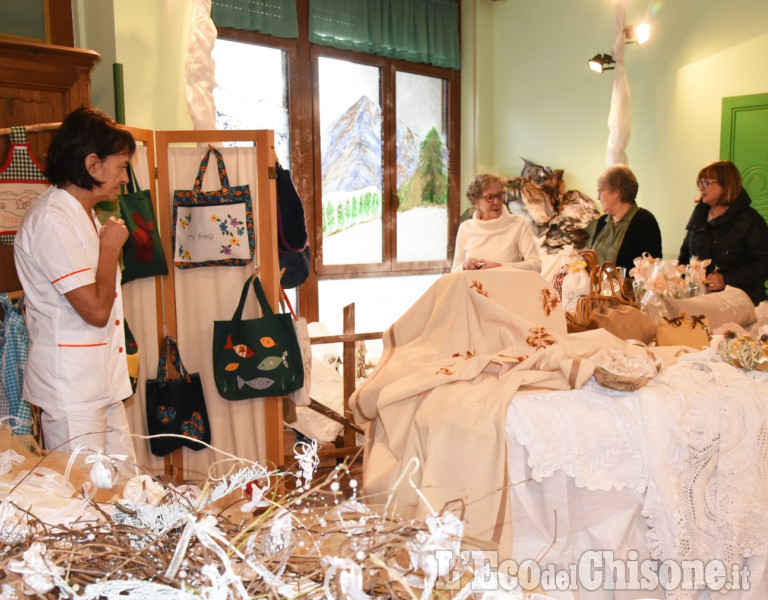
<point x="302" y="59"/>
<point x="389" y="264"/>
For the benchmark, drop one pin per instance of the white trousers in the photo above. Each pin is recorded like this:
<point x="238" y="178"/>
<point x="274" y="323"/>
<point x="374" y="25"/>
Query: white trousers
<point x="104" y="430"/>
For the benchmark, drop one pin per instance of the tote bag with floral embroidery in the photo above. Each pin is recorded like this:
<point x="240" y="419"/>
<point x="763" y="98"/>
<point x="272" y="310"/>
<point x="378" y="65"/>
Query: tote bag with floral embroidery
<point x="212" y="228"/>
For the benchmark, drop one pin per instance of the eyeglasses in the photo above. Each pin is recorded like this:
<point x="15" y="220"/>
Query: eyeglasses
<point x="491" y="197"/>
<point x="705" y="183"/>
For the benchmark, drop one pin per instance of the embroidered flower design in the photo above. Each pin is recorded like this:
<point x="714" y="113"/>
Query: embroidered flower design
<point x="443" y="371"/>
<point x="540" y="338"/>
<point x="232" y="227"/>
<point x="185" y="220"/>
<point x="478" y="287"/>
<point x="194" y="428"/>
<point x="469" y="354"/>
<point x="549" y="300"/>
<point x="226" y="249"/>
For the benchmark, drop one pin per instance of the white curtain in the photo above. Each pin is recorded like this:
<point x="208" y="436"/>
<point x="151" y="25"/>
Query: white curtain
<point x="619" y="124"/>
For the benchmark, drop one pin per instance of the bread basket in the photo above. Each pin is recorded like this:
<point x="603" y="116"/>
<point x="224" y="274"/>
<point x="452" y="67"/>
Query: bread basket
<point x="624" y="382"/>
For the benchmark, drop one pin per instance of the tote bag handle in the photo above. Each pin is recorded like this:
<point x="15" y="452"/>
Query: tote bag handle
<point x="266" y="309"/>
<point x="133" y="186"/>
<point x="223" y="179"/>
<point x="170" y="347"/>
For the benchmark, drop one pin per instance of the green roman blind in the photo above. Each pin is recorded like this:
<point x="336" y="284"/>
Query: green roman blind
<point x="425" y="31"/>
<point x="272" y="17"/>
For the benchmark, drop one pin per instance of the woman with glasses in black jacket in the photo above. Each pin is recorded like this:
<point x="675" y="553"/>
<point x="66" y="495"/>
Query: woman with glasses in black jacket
<point x="727" y="230"/>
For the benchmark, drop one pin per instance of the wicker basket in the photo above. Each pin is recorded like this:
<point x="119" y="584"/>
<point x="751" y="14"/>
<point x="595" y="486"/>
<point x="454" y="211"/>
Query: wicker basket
<point x="590" y="257"/>
<point x="623" y="383"/>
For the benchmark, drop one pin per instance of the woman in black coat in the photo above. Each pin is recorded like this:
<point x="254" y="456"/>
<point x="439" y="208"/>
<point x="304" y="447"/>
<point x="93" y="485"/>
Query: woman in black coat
<point x="727" y="230"/>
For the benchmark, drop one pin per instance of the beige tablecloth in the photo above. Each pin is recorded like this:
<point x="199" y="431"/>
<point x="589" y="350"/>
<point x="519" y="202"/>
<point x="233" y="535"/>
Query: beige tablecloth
<point x="436" y="405"/>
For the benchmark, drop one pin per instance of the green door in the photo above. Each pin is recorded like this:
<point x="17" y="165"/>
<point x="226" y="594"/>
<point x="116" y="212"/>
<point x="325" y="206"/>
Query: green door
<point x="744" y="141"/>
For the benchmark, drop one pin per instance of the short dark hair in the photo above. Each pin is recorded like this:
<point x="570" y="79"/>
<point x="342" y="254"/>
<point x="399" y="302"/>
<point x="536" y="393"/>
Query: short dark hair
<point x="84" y="131"/>
<point x="620" y="178"/>
<point x="727" y="175"/>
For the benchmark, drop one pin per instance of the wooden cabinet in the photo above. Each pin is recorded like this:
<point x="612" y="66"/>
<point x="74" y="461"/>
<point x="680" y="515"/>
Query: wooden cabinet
<point x="39" y="83"/>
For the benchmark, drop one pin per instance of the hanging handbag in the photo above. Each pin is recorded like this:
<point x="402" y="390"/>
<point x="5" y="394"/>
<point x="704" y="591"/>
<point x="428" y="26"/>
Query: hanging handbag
<point x="212" y="228"/>
<point x="300" y="396"/>
<point x="132" y="356"/>
<point x="607" y="307"/>
<point x="291" y="223"/>
<point x="295" y="268"/>
<point x="175" y="406"/>
<point x="142" y="252"/>
<point x="255" y="358"/>
<point x="293" y="249"/>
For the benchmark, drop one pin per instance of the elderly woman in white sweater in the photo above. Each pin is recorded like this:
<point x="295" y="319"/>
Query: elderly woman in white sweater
<point x="493" y="237"/>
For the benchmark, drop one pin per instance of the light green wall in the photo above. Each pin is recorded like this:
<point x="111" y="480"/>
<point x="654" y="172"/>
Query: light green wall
<point x="535" y="97"/>
<point x="152" y="38"/>
<point x="94" y="29"/>
<point x="149" y="38"/>
<point x="526" y="88"/>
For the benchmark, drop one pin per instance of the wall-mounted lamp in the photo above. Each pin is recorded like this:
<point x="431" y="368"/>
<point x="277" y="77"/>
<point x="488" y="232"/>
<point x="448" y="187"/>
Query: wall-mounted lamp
<point x="637" y="34"/>
<point x="601" y="62"/>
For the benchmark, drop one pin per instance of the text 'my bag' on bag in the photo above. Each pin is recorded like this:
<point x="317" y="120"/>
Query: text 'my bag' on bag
<point x="213" y="228"/>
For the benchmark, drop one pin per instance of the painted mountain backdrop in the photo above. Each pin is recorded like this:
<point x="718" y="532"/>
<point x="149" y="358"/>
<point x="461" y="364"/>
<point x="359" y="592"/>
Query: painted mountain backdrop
<point x="352" y="150"/>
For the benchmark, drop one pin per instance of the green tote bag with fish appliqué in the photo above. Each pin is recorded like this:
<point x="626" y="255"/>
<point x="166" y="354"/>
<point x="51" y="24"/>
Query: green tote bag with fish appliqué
<point x="256" y="358"/>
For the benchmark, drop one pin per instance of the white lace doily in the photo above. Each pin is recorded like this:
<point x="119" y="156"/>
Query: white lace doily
<point x="695" y="439"/>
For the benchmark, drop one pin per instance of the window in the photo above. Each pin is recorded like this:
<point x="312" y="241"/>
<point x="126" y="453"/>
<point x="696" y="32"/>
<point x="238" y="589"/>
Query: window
<point x="421" y="115"/>
<point x="351" y="160"/>
<point x="256" y="99"/>
<point x="384" y="192"/>
<point x="372" y="145"/>
<point x="48" y="21"/>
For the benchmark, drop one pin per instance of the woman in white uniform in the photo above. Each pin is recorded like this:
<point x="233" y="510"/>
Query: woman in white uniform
<point x="76" y="369"/>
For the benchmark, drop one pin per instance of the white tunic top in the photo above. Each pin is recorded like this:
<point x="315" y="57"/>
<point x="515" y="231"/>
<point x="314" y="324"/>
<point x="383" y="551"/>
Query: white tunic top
<point x="507" y="240"/>
<point x="70" y="364"/>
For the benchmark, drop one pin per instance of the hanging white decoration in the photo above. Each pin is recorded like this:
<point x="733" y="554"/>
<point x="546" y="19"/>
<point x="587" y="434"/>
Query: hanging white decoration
<point x="306" y="455"/>
<point x="199" y="75"/>
<point x="343" y="579"/>
<point x="104" y="472"/>
<point x="619" y="124"/>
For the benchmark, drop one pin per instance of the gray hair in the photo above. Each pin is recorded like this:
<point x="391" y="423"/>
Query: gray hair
<point x="480" y="182"/>
<point x="620" y="178"/>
